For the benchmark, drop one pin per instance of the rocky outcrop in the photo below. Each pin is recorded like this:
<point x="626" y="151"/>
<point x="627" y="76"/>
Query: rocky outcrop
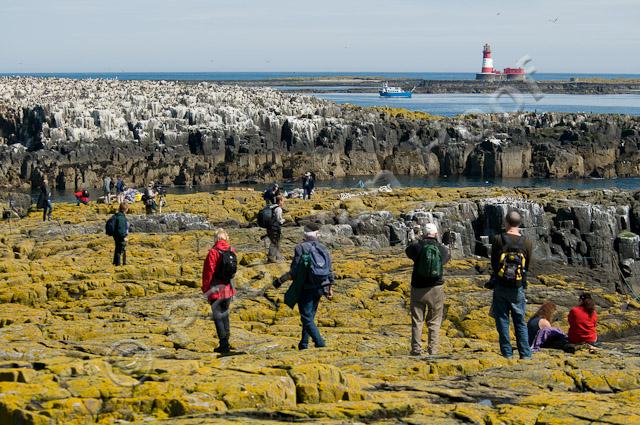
<point x="75" y="132"/>
<point x="82" y="341"/>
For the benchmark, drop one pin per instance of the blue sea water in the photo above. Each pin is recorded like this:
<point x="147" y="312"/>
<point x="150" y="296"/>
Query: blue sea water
<point x="249" y="76"/>
<point x="350" y="183"/>
<point x="452" y="104"/>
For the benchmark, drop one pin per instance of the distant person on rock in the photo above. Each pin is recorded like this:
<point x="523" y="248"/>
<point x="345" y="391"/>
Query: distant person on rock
<point x="120" y="189"/>
<point x="542" y="334"/>
<point x="270" y="195"/>
<point x="274" y="230"/>
<point x="120" y="233"/>
<point x="583" y="321"/>
<point x="312" y="274"/>
<point x="308" y="184"/>
<point x="106" y="188"/>
<point x="44" y="201"/>
<point x="219" y="269"/>
<point x="82" y="197"/>
<point x="149" y="199"/>
<point x="511" y="255"/>
<point x="427" y="290"/>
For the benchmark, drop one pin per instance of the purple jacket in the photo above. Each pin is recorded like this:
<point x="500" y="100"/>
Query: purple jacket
<point x="545" y="334"/>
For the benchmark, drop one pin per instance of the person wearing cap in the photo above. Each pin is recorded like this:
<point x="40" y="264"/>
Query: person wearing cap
<point x="312" y="283"/>
<point x="271" y="194"/>
<point x="308" y="183"/>
<point x="427" y="290"/>
<point x="274" y="231"/>
<point x="149" y="199"/>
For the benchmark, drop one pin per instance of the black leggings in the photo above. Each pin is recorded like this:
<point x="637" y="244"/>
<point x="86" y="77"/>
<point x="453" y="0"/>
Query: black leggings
<point x="220" y="313"/>
<point x="119" y="252"/>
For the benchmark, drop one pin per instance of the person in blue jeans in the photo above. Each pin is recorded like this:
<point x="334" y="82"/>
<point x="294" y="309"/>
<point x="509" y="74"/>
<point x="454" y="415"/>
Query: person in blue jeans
<point x="315" y="281"/>
<point x="511" y="255"/>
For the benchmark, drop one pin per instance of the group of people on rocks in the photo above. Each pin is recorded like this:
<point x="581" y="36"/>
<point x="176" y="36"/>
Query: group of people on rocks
<point x="312" y="278"/>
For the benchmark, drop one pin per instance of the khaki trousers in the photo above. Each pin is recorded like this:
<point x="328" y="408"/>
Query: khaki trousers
<point x="429" y="301"/>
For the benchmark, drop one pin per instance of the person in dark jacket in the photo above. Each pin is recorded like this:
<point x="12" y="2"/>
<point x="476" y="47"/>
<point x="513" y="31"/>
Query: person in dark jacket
<point x="120" y="235"/>
<point x="313" y="286"/>
<point x="44" y="201"/>
<point x="508" y="297"/>
<point x="218" y="292"/>
<point x="427" y="294"/>
<point x="308" y="184"/>
<point x="271" y="195"/>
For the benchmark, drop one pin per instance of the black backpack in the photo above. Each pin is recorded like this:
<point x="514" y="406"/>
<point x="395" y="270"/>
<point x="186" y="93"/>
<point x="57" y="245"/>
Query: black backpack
<point x="110" y="226"/>
<point x="227" y="266"/>
<point x="265" y="217"/>
<point x="512" y="263"/>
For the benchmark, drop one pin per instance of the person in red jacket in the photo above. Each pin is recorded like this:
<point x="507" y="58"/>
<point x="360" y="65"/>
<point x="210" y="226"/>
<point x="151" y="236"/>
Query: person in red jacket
<point x="583" y="320"/>
<point x="217" y="273"/>
<point x="82" y="197"/>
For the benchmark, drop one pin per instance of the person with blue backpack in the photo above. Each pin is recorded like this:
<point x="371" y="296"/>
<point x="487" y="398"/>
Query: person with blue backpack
<point x="427" y="290"/>
<point x="313" y="278"/>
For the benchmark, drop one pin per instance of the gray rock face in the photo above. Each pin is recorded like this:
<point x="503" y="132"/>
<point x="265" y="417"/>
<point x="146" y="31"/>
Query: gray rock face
<point x="575" y="232"/>
<point x="15" y="204"/>
<point x="75" y="132"/>
<point x="167" y="223"/>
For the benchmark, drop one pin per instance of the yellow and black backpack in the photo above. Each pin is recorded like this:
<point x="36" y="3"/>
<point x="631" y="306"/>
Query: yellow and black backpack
<point x="512" y="264"/>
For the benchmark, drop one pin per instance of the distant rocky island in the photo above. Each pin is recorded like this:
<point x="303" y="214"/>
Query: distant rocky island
<point x="354" y="84"/>
<point x="76" y="131"/>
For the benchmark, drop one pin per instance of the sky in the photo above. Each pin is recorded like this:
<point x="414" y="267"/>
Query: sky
<point x="325" y="35"/>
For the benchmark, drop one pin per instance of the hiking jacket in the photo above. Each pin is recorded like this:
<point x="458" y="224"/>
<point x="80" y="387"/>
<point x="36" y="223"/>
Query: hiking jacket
<point x="214" y="288"/>
<point x="413" y="252"/>
<point x="122" y="226"/>
<point x="307" y="247"/>
<point x="44" y="197"/>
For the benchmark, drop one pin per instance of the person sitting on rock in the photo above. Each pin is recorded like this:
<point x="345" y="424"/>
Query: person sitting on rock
<point x="583" y="320"/>
<point x="427" y="291"/>
<point x="313" y="277"/>
<point x="308" y="184"/>
<point x="543" y="335"/>
<point x="511" y="255"/>
<point x="271" y="195"/>
<point x="120" y="235"/>
<point x="217" y="273"/>
<point x="274" y="231"/>
<point x="82" y="197"/>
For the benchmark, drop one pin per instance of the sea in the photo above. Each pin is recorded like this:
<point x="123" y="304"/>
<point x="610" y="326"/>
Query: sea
<point x="353" y="184"/>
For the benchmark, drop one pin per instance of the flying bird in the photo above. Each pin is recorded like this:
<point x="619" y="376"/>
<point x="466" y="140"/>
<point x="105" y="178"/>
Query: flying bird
<point x="554" y="21"/>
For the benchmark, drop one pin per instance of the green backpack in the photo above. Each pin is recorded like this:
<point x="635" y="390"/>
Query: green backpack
<point x="292" y="295"/>
<point x="429" y="264"/>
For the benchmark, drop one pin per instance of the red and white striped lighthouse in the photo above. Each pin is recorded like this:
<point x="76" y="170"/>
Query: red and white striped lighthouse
<point x="487" y="60"/>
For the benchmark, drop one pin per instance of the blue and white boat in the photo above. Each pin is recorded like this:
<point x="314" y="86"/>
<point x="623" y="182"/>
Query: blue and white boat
<point x="388" y="91"/>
